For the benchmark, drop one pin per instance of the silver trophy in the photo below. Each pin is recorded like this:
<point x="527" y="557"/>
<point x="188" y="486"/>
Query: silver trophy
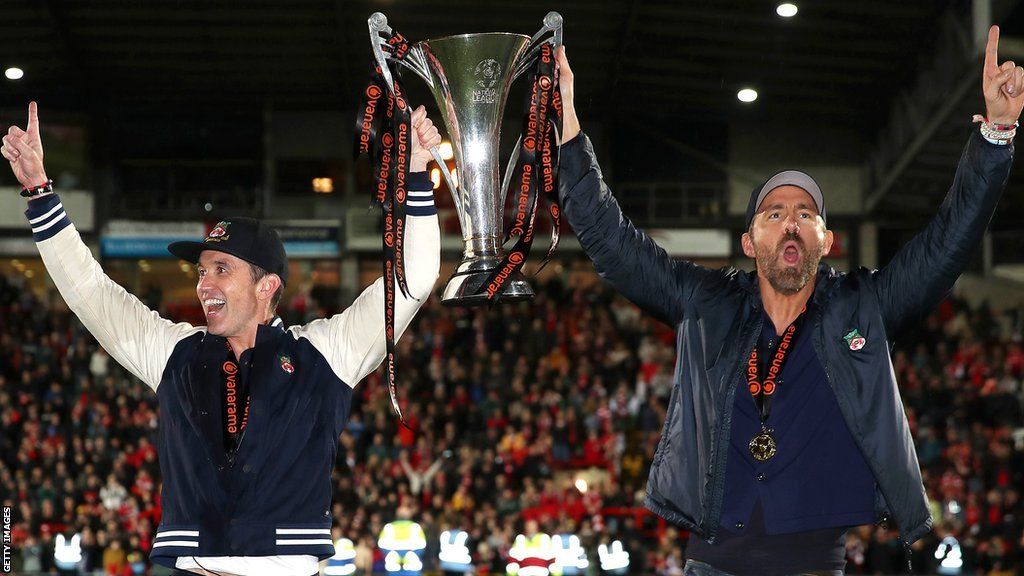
<point x="470" y="76"/>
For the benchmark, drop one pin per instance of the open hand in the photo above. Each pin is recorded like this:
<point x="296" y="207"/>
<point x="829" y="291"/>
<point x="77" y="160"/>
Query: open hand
<point x="425" y="137"/>
<point x="1003" y="86"/>
<point x="24" y="150"/>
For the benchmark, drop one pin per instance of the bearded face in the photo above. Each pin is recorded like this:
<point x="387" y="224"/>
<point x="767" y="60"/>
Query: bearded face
<point x="790" y="264"/>
<point x="787" y="239"/>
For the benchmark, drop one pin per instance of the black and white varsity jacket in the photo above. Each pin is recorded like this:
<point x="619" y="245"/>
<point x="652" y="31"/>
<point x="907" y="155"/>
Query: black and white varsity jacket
<point x="270" y="504"/>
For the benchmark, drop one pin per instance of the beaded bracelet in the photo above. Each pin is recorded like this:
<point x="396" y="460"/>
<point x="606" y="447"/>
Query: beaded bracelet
<point x="993" y="131"/>
<point x="44" y="188"/>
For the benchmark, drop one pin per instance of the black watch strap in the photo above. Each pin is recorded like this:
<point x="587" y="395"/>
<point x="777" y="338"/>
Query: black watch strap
<point x="36" y="191"/>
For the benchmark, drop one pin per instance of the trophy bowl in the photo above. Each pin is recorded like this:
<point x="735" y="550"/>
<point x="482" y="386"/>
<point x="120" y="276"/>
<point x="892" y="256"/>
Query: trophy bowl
<point x="470" y="76"/>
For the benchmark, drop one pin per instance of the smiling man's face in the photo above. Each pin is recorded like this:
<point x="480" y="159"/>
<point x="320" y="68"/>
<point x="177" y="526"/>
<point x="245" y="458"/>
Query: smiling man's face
<point x="787" y="239"/>
<point x="228" y="294"/>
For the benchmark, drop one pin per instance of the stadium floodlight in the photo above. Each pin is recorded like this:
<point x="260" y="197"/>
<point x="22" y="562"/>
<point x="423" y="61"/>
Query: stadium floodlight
<point x="786" y="10"/>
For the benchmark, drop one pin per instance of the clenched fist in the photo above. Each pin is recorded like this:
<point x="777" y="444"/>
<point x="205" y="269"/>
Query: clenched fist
<point x="426" y="138"/>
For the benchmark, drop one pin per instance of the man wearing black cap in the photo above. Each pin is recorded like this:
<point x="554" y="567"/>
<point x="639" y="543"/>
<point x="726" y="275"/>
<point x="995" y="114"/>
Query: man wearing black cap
<point x="785" y="426"/>
<point x="250" y="412"/>
<point x="254" y="250"/>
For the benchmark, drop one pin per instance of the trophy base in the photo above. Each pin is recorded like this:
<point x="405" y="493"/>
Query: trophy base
<point x="465" y="287"/>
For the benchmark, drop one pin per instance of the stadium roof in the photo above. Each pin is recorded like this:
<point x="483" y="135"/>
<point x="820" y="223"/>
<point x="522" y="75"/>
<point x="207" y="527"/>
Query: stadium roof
<point x="663" y="61"/>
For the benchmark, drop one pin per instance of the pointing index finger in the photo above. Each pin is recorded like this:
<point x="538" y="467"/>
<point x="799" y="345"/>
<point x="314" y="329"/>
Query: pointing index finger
<point x="991" y="50"/>
<point x="33" y="116"/>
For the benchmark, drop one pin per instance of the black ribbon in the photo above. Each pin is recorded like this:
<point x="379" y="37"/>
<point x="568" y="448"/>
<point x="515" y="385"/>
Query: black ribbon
<point x="236" y="393"/>
<point x="535" y="172"/>
<point x="549" y="171"/>
<point x="384" y="133"/>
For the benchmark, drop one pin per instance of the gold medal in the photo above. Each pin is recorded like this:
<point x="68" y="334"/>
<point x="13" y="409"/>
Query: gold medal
<point x="762" y="447"/>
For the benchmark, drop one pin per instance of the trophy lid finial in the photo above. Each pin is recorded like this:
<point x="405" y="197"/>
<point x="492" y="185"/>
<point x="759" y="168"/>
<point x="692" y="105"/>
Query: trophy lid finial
<point x="378" y="21"/>
<point x="553" y="20"/>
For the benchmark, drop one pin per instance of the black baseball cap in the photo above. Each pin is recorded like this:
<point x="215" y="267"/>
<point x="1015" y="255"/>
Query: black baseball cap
<point x="796" y="178"/>
<point x="246" y="238"/>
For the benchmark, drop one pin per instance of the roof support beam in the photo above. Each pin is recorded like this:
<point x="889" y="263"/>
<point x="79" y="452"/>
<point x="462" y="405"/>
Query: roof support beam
<point x="940" y="90"/>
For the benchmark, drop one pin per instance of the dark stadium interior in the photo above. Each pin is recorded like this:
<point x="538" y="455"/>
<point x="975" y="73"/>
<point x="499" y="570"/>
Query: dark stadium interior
<point x="179" y="113"/>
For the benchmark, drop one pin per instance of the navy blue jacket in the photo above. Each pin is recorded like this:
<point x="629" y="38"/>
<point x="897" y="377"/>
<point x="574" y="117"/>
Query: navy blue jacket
<point x="717" y="317"/>
<point x="274" y="496"/>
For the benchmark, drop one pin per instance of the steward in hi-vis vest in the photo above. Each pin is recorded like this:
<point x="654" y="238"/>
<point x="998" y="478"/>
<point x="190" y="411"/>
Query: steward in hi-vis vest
<point x="343" y="562"/>
<point x="532" y="553"/>
<point x="402" y="543"/>
<point x="570" y="557"/>
<point x="454" y="554"/>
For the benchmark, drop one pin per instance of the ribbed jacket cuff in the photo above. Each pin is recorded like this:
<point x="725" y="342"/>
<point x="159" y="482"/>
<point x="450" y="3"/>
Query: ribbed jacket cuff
<point x="421" y="195"/>
<point x="47" y="217"/>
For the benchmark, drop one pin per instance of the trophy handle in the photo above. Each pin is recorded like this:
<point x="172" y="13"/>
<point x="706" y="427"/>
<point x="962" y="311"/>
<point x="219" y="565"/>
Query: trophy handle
<point x="415" y="61"/>
<point x="508" y="169"/>
<point x="552" y="24"/>
<point x="452" y="185"/>
<point x="378" y="23"/>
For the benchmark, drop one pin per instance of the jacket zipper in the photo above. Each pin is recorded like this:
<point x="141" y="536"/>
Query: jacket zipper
<point x="726" y="432"/>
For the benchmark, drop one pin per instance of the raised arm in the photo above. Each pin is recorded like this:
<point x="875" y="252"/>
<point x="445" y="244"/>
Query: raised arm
<point x="135" y="336"/>
<point x="353" y="341"/>
<point x="925" y="269"/>
<point x="622" y="254"/>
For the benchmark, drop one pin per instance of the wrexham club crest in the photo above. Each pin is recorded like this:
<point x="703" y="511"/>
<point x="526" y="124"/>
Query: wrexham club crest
<point x="286" y="364"/>
<point x="219" y="232"/>
<point x="855" y="340"/>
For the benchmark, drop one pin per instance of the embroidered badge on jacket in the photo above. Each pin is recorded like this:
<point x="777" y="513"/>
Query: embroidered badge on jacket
<point x="286" y="364"/>
<point x="855" y="340"/>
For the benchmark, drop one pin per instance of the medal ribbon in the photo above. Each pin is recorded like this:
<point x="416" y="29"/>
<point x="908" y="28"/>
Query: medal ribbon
<point x="763" y="391"/>
<point x="234" y="422"/>
<point x="535" y="171"/>
<point x="383" y="132"/>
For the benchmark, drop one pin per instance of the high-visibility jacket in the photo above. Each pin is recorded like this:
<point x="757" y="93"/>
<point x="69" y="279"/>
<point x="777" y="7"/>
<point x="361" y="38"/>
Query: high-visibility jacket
<point x="454" y="554"/>
<point x="402" y="542"/>
<point x="67" y="552"/>
<point x="343" y="562"/>
<point x="532" y="556"/>
<point x="614" y="559"/>
<point x="570" y="557"/>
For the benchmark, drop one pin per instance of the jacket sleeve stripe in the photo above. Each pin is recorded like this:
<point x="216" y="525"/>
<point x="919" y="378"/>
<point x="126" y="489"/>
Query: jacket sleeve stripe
<point x="47" y="217"/>
<point x="421" y="195"/>
<point x="39" y="219"/>
<point x="187" y="543"/>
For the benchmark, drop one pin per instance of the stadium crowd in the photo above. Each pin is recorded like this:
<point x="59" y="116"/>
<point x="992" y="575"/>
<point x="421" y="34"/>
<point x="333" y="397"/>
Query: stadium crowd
<point x="508" y="405"/>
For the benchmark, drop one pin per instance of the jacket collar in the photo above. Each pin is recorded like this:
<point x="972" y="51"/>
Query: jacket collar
<point x="270" y="331"/>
